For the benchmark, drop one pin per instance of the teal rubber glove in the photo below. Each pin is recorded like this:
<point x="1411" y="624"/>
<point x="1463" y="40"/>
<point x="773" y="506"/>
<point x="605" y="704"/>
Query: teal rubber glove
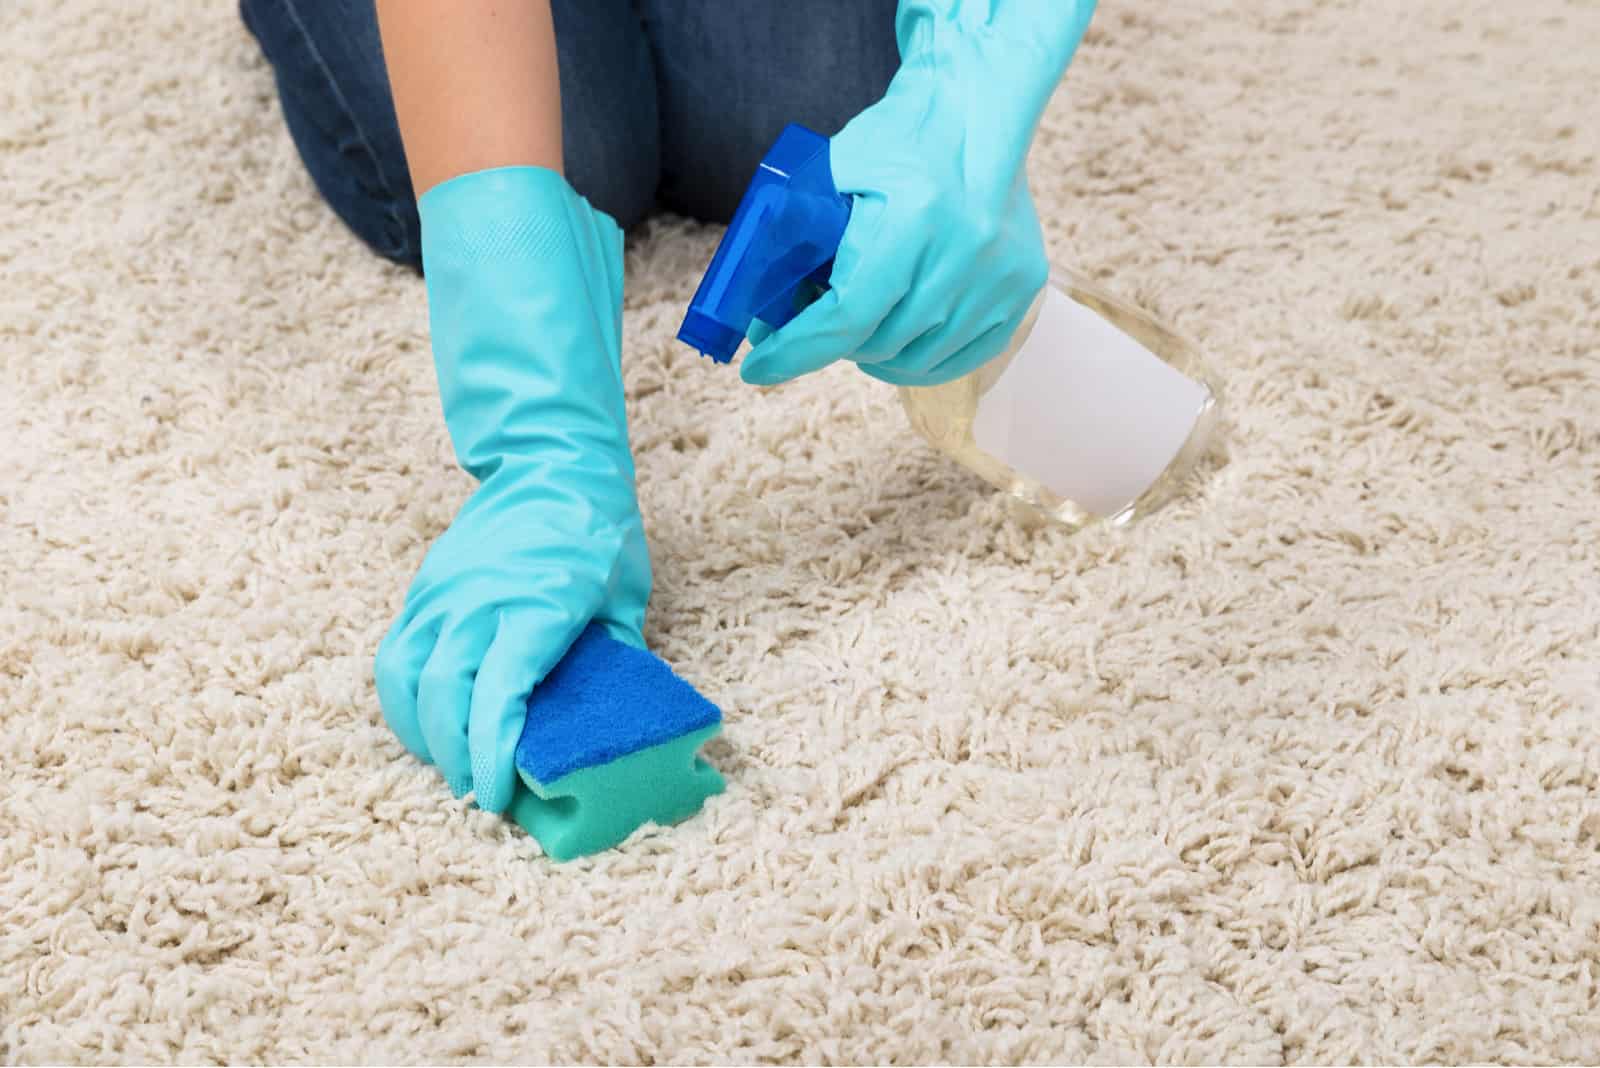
<point x="943" y="254"/>
<point x="525" y="304"/>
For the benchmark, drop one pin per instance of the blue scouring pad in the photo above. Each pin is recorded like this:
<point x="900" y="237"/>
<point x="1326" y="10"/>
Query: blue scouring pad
<point x="611" y="742"/>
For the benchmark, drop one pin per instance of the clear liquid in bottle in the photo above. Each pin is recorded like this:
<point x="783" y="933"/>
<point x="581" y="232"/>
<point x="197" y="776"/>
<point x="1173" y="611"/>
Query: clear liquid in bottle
<point x="1096" y="411"/>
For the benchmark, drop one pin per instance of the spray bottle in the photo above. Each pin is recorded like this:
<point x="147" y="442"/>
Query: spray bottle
<point x="1095" y="411"/>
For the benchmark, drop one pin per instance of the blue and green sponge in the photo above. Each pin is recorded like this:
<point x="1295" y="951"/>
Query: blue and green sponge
<point x="611" y="742"/>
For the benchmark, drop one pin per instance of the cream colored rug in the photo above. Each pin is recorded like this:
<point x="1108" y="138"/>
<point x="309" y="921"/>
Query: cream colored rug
<point x="1305" y="771"/>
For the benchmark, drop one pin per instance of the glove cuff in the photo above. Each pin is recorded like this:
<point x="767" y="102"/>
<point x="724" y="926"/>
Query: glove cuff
<point x="525" y="306"/>
<point x="507" y="213"/>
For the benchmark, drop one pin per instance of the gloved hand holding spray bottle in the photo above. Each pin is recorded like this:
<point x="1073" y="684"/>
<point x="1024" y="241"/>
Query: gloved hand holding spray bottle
<point x="910" y="244"/>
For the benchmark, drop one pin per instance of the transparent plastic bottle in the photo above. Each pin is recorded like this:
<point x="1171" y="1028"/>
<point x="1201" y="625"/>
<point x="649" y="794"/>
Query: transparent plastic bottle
<point x="1096" y="412"/>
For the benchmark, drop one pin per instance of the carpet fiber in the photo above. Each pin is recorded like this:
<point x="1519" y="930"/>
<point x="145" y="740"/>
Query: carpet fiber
<point x="1303" y="770"/>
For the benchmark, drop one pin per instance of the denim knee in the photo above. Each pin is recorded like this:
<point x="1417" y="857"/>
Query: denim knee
<point x="730" y="77"/>
<point x="327" y="61"/>
<point x="327" y="58"/>
<point x="610" y="128"/>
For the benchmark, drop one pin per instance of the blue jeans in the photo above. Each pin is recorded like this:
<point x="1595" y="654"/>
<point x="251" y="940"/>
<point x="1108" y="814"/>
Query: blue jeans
<point x="664" y="103"/>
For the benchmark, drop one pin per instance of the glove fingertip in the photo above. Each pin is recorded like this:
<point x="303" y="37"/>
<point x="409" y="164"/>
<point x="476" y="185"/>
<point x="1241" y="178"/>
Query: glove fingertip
<point x="523" y="652"/>
<point x="765" y="372"/>
<point x="493" y="776"/>
<point x="494" y="747"/>
<point x="396" y="670"/>
<point x="758" y="332"/>
<point x="808" y="342"/>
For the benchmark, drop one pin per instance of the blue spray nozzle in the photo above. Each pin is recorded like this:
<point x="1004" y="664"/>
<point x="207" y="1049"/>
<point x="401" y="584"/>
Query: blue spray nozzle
<point x="778" y="251"/>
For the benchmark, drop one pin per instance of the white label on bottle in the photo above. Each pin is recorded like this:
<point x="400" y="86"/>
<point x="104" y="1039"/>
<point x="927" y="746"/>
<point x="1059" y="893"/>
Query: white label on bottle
<point x="1087" y="411"/>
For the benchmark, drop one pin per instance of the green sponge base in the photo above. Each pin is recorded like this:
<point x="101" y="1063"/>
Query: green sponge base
<point x="594" y="808"/>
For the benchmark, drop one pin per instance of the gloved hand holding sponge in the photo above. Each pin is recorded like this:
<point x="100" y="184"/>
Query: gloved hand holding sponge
<point x="942" y="258"/>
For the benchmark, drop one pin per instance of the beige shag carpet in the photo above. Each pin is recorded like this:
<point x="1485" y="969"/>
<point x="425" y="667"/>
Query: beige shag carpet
<point x="1306" y="770"/>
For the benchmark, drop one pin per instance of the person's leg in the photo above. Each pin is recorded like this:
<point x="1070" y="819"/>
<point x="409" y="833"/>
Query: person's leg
<point x="731" y="75"/>
<point x="328" y="65"/>
<point x="327" y="58"/>
<point x="610" y="127"/>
